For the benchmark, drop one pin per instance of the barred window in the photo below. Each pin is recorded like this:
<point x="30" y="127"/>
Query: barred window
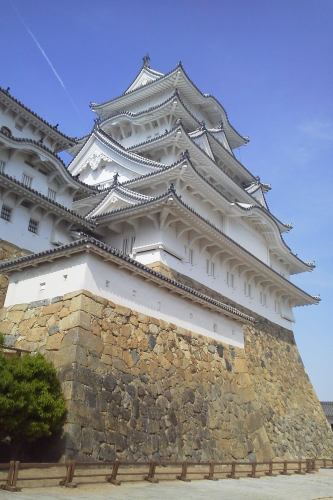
<point x="33" y="226"/>
<point x="2" y="166"/>
<point x="210" y="268"/>
<point x="230" y="279"/>
<point x="6" y="212"/>
<point x="125" y="245"/>
<point x="51" y="194"/>
<point x="27" y="180"/>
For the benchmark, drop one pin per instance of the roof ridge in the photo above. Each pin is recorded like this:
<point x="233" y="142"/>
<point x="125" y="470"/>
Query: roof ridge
<point x="38" y="117"/>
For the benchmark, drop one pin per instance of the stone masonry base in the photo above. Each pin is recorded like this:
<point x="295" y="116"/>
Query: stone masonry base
<point x="140" y="388"/>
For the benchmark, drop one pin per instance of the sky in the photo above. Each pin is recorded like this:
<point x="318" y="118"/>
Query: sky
<point x="269" y="62"/>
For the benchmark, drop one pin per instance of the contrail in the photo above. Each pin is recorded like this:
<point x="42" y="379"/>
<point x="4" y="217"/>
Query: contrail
<point x="42" y="51"/>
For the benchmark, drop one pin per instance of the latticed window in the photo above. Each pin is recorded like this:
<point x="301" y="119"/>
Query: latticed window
<point x="125" y="245"/>
<point x="33" y="226"/>
<point x="189" y="255"/>
<point x="26" y="180"/>
<point x="51" y="194"/>
<point x="210" y="268"/>
<point x="230" y="279"/>
<point x="6" y="212"/>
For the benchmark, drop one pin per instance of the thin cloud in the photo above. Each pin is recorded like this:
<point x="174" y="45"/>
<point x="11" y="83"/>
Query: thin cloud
<point x="318" y="129"/>
<point x="47" y="59"/>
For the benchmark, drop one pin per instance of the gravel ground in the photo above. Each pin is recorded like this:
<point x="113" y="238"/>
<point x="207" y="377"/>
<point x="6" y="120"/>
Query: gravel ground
<point x="310" y="487"/>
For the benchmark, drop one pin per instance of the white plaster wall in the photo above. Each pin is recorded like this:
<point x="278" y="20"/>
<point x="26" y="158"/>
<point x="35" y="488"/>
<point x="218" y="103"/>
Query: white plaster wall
<point x="16" y="230"/>
<point x="122" y="287"/>
<point x="16" y="166"/>
<point x="153" y="245"/>
<point x="248" y="237"/>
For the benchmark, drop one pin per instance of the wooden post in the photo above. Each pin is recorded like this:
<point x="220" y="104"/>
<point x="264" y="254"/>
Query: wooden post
<point x="113" y="477"/>
<point x="254" y="470"/>
<point x="299" y="470"/>
<point x="12" y="476"/>
<point x="151" y="474"/>
<point x="210" y="475"/>
<point x="270" y="469"/>
<point x="285" y="469"/>
<point x="309" y="466"/>
<point x="183" y="475"/>
<point x="232" y="474"/>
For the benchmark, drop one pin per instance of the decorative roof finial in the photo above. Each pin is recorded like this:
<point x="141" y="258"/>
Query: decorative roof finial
<point x="172" y="188"/>
<point x="258" y="179"/>
<point x="115" y="181"/>
<point x="221" y="124"/>
<point x="7" y="90"/>
<point x="146" y="61"/>
<point x="56" y="125"/>
<point x="202" y="125"/>
<point x="97" y="121"/>
<point x="185" y="155"/>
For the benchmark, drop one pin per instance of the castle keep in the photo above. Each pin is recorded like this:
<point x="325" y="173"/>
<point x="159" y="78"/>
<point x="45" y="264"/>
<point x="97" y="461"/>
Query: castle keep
<point x="152" y="273"/>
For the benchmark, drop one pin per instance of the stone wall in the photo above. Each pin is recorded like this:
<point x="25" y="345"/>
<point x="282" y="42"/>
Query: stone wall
<point x="7" y="251"/>
<point x="292" y="414"/>
<point x="138" y="387"/>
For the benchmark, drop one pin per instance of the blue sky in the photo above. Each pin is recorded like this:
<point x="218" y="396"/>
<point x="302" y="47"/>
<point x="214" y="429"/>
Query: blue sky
<point x="268" y="61"/>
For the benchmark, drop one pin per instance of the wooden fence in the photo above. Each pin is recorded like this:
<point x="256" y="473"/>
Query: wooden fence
<point x="71" y="473"/>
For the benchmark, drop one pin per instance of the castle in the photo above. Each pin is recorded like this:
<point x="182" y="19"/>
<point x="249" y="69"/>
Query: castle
<point x="151" y="271"/>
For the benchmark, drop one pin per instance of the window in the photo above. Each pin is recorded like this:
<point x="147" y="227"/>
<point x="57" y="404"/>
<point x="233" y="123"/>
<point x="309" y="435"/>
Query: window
<point x="51" y="193"/>
<point x="33" y="226"/>
<point x="2" y="166"/>
<point x="42" y="286"/>
<point x="277" y="306"/>
<point x="210" y="268"/>
<point x="26" y="180"/>
<point x="6" y="212"/>
<point x="125" y="245"/>
<point x="230" y="279"/>
<point x="128" y="244"/>
<point x="189" y="255"/>
<point x="132" y="244"/>
<point x="247" y="289"/>
<point x="263" y="299"/>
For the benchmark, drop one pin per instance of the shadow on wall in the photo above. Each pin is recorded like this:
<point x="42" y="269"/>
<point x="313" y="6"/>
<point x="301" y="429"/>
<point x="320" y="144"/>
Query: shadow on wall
<point x="49" y="449"/>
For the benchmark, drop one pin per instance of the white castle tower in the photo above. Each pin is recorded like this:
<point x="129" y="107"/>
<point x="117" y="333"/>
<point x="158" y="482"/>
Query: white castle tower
<point x="156" y="279"/>
<point x="174" y="196"/>
<point x="158" y="180"/>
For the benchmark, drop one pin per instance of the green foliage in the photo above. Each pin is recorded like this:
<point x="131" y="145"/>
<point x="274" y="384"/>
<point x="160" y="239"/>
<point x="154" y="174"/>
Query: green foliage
<point x="2" y="339"/>
<point x="31" y="402"/>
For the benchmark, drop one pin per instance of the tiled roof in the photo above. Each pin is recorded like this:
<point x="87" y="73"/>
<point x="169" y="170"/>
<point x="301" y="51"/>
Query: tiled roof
<point x="41" y="146"/>
<point x="14" y="182"/>
<point x="35" y="115"/>
<point x="171" y="192"/>
<point x="327" y="407"/>
<point x="91" y="244"/>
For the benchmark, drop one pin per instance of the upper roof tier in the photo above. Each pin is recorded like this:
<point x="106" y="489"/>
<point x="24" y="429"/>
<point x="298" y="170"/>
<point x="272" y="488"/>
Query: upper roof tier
<point x="149" y="83"/>
<point x="26" y="115"/>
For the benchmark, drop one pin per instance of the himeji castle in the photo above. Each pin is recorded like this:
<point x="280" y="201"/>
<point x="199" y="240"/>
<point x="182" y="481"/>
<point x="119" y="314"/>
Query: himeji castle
<point x="154" y="213"/>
